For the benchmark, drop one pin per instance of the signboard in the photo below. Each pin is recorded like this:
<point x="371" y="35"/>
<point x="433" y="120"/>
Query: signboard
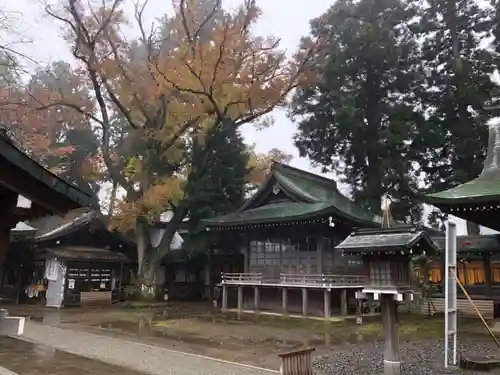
<point x="450" y="290"/>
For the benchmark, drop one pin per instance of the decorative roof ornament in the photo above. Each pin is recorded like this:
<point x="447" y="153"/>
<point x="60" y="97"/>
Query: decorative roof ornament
<point x="276" y="189"/>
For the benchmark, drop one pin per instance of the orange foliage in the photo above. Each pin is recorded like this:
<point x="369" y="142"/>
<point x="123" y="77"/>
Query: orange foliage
<point x="260" y="164"/>
<point x="156" y="200"/>
<point x="36" y="122"/>
<point x="174" y="84"/>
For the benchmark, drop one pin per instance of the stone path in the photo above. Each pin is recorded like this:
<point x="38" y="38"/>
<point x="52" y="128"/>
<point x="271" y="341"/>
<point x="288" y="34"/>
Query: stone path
<point x="140" y="357"/>
<point x="19" y="357"/>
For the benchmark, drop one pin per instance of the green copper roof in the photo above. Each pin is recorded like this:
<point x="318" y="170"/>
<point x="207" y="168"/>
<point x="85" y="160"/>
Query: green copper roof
<point x="483" y="189"/>
<point x="388" y="240"/>
<point x="307" y="195"/>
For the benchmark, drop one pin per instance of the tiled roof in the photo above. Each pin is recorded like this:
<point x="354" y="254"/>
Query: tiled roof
<point x="387" y="240"/>
<point x="310" y="196"/>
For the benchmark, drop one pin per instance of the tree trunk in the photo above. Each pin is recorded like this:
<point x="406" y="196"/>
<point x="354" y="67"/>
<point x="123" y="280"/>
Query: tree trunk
<point x="150" y="257"/>
<point x="146" y="289"/>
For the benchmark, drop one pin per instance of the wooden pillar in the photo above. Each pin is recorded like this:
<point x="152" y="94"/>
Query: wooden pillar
<point x="246" y="257"/>
<point x="256" y="298"/>
<point x="343" y="302"/>
<point x="210" y="275"/>
<point x="304" y="301"/>
<point x="326" y="302"/>
<point x="487" y="273"/>
<point x="284" y="300"/>
<point x="359" y="311"/>
<point x="4" y="245"/>
<point x="392" y="363"/>
<point x="240" y="300"/>
<point x="224" y="297"/>
<point x="321" y="245"/>
<point x="7" y="221"/>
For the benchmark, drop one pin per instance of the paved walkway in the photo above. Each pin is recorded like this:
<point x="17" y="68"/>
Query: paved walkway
<point x="27" y="358"/>
<point x="140" y="357"/>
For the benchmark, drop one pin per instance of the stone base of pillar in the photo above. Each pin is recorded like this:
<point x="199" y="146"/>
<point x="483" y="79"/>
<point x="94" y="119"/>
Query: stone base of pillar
<point x="12" y="326"/>
<point x="392" y="368"/>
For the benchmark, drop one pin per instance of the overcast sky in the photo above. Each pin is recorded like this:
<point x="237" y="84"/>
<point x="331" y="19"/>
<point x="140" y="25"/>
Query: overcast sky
<point x="286" y="19"/>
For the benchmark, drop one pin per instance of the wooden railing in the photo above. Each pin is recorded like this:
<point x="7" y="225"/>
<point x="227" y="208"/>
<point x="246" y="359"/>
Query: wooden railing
<point x="241" y="278"/>
<point x="321" y="279"/>
<point x="297" y="362"/>
<point x="292" y="279"/>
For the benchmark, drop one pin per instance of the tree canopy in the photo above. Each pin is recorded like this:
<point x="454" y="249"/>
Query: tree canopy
<point x="151" y="114"/>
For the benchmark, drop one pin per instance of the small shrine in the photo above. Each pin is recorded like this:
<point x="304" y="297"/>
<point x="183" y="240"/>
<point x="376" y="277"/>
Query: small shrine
<point x="386" y="254"/>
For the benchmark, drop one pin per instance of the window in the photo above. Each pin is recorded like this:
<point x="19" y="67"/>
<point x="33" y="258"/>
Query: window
<point x="495" y="272"/>
<point x="474" y="272"/>
<point x="265" y="253"/>
<point x="435" y="273"/>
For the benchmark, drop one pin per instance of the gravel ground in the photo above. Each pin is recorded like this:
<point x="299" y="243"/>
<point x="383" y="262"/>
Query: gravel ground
<point x="419" y="358"/>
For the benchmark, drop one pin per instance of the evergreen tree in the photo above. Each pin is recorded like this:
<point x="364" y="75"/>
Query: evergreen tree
<point x="221" y="189"/>
<point x="459" y="89"/>
<point x="359" y="117"/>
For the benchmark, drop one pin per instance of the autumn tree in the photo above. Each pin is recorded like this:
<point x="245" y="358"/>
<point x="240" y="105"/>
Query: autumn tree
<point x="59" y="138"/>
<point x="174" y="90"/>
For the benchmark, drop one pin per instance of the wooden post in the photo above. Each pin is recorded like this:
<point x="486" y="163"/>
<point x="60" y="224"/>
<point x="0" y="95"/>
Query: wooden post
<point x="389" y="307"/>
<point x="210" y="274"/>
<point x="304" y="301"/>
<point x="256" y="298"/>
<point x="284" y="300"/>
<point x="321" y="245"/>
<point x="487" y="273"/>
<point x="359" y="311"/>
<point x="120" y="283"/>
<point x="240" y="300"/>
<point x="246" y="258"/>
<point x="224" y="297"/>
<point x="343" y="302"/>
<point x="326" y="295"/>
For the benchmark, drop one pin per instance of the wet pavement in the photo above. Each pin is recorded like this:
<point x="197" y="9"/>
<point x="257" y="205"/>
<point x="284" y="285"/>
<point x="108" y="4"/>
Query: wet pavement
<point x="27" y="358"/>
<point x="142" y="358"/>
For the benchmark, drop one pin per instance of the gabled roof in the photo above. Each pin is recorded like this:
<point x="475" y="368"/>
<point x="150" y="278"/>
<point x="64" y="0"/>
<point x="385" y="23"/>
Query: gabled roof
<point x="388" y="240"/>
<point x="82" y="253"/>
<point x="308" y="196"/>
<point x="50" y="227"/>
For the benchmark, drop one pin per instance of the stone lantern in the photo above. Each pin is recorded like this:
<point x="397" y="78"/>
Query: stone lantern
<point x="386" y="255"/>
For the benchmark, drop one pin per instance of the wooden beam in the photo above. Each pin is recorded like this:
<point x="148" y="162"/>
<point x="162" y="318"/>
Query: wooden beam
<point x="38" y="192"/>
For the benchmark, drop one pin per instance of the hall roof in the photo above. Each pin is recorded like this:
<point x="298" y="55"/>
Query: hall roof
<point x="294" y="196"/>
